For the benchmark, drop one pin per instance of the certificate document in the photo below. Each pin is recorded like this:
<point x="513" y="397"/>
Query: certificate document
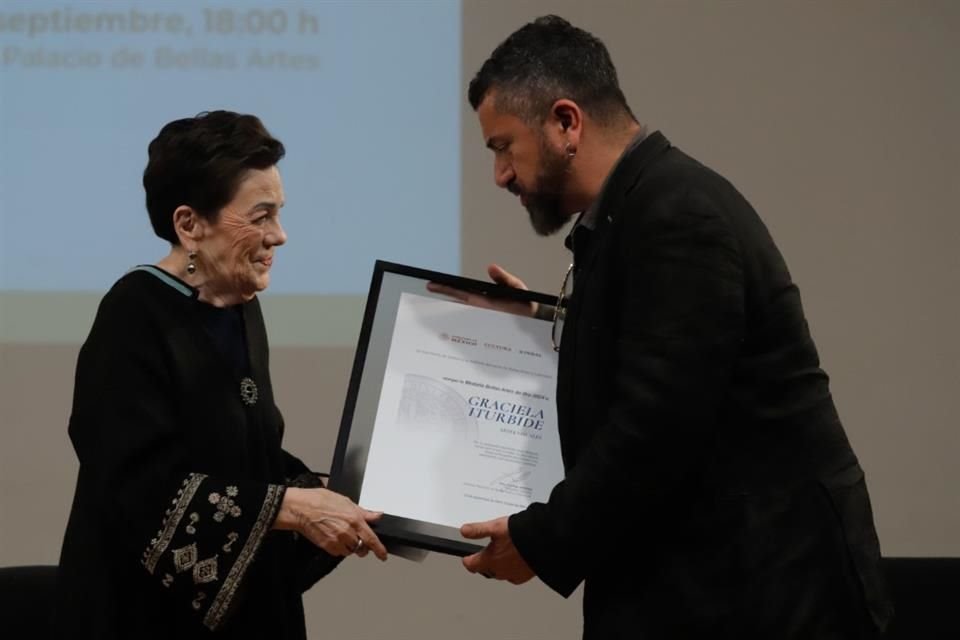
<point x="467" y="402"/>
<point x="451" y="412"/>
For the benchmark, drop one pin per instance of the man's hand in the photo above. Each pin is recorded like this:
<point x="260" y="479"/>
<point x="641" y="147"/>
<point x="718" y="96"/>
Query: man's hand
<point x="500" y="276"/>
<point x="500" y="560"/>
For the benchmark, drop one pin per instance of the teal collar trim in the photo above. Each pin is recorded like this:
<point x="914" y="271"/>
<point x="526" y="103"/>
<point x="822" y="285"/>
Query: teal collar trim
<point x="166" y="278"/>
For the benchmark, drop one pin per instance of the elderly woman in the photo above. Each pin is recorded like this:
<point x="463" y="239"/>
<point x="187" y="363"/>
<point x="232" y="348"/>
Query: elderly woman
<point x="188" y="515"/>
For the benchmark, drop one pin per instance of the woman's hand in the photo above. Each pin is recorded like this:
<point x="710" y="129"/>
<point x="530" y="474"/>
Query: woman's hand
<point x="331" y="521"/>
<point x="499" y="275"/>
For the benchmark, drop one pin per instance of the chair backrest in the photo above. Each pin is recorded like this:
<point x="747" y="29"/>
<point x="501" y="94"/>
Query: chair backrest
<point x="26" y="601"/>
<point x="926" y="594"/>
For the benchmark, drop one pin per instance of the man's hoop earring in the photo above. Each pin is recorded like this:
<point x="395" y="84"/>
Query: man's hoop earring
<point x="570" y="153"/>
<point x="192" y="266"/>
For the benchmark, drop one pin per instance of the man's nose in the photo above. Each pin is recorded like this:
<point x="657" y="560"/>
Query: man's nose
<point x="503" y="174"/>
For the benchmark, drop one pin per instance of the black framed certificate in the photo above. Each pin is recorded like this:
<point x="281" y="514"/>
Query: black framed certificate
<point x="450" y="415"/>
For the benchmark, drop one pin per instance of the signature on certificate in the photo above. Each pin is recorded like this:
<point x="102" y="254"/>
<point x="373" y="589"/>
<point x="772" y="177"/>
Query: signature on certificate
<point x="512" y="478"/>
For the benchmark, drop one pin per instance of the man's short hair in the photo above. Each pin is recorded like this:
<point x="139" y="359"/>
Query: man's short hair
<point x="544" y="61"/>
<point x="200" y="162"/>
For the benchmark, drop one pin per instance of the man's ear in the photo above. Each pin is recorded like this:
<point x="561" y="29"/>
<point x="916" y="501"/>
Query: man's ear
<point x="566" y="114"/>
<point x="566" y="118"/>
<point x="188" y="225"/>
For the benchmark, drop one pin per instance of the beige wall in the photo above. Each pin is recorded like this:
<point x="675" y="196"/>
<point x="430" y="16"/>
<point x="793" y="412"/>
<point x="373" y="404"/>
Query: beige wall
<point x="837" y="120"/>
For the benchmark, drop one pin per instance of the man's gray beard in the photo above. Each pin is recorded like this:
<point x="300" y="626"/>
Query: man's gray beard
<point x="545" y="215"/>
<point x="544" y="205"/>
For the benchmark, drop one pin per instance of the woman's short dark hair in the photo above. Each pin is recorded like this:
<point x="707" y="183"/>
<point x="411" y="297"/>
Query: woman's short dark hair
<point x="200" y="162"/>
<point x="544" y="61"/>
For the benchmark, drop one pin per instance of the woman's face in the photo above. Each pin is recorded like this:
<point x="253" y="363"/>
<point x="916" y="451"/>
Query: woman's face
<point x="237" y="250"/>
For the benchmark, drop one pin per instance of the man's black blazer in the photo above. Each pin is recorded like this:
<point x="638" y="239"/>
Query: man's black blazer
<point x="710" y="489"/>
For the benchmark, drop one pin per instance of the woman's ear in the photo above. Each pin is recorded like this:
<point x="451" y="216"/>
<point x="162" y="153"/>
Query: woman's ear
<point x="188" y="225"/>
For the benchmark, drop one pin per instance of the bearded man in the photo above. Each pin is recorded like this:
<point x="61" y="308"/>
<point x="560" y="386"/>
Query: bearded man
<point x="710" y="490"/>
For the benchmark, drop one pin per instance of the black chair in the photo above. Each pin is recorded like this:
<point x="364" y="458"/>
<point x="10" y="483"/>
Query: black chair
<point x="26" y="601"/>
<point x="924" y="592"/>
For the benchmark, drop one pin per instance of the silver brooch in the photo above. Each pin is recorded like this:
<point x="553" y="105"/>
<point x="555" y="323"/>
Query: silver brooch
<point x="248" y="391"/>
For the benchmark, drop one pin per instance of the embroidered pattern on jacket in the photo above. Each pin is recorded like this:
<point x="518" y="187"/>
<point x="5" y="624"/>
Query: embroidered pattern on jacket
<point x="185" y="557"/>
<point x="221" y="603"/>
<point x="194" y="518"/>
<point x="205" y="571"/>
<point x="171" y="521"/>
<point x="225" y="504"/>
<point x="231" y="538"/>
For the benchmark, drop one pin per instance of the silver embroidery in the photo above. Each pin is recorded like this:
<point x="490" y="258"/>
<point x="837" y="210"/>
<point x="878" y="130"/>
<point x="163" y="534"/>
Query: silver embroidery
<point x="169" y="526"/>
<point x="184" y="557"/>
<point x="248" y="391"/>
<point x="167" y="579"/>
<point x="260" y="528"/>
<point x="225" y="504"/>
<point x="201" y="596"/>
<point x="231" y="538"/>
<point x="194" y="518"/>
<point x="205" y="571"/>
